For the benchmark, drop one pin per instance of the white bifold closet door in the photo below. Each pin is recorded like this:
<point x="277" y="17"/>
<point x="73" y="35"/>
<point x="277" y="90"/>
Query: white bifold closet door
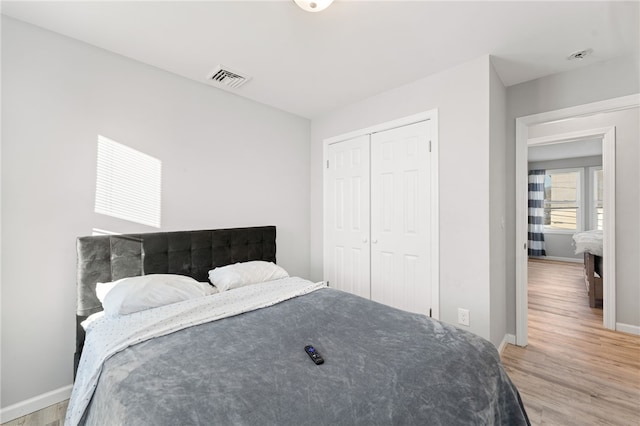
<point x="347" y="258"/>
<point x="400" y="218"/>
<point x="377" y="217"/>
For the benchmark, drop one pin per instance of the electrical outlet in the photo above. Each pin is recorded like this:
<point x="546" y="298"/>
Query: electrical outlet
<point x="463" y="316"/>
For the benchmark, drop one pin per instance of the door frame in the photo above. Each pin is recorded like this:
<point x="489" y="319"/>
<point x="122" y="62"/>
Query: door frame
<point x="608" y="163"/>
<point x="434" y="226"/>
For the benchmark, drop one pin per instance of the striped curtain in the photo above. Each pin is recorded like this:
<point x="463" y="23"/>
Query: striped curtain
<point x="536" y="213"/>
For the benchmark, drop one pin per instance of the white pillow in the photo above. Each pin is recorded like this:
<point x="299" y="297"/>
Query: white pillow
<point x="134" y="294"/>
<point x="91" y="319"/>
<point x="241" y="274"/>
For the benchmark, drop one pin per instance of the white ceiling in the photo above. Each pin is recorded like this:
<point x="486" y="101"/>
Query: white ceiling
<point x="312" y="63"/>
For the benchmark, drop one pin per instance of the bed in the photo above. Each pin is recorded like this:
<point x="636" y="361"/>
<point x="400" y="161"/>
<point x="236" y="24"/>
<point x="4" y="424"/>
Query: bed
<point x="237" y="356"/>
<point x="590" y="244"/>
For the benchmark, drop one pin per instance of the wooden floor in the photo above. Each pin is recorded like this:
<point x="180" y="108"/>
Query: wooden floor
<point x="573" y="372"/>
<point x="50" y="416"/>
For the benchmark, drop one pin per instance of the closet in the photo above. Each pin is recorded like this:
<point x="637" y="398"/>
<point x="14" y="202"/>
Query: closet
<point x="378" y="216"/>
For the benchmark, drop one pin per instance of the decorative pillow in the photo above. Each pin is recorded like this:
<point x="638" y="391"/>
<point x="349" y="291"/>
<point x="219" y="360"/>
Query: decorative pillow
<point x="134" y="294"/>
<point x="241" y="274"/>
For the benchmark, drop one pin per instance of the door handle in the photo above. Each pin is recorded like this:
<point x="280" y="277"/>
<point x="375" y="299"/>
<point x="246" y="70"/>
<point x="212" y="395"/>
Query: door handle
<point x="365" y="240"/>
<point x="374" y="241"/>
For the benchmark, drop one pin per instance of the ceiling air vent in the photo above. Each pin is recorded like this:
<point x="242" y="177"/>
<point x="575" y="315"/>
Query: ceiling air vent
<point x="225" y="76"/>
<point x="580" y="54"/>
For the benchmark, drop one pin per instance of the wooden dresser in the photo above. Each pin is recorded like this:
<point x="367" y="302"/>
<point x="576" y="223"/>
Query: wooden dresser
<point x="593" y="279"/>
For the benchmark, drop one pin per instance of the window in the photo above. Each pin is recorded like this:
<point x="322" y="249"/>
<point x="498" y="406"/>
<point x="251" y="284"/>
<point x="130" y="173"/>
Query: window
<point x="562" y="200"/>
<point x="127" y="183"/>
<point x="597" y="210"/>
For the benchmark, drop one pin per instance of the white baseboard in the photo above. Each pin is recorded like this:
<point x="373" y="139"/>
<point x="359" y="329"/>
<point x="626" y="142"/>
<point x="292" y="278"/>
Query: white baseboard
<point x="36" y="403"/>
<point x="508" y="338"/>
<point x="565" y="259"/>
<point x="559" y="259"/>
<point x="628" y="328"/>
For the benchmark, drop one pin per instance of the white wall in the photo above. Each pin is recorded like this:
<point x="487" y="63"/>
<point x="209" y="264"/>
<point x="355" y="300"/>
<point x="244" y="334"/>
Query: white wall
<point x="627" y="124"/>
<point x="226" y="162"/>
<point x="497" y="206"/>
<point x="461" y="96"/>
<point x="600" y="81"/>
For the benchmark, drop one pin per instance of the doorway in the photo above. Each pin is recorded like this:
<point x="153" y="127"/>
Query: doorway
<point x="523" y="139"/>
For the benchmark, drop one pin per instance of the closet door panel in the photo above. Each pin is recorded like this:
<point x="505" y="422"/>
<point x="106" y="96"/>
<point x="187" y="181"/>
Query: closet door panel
<point x="400" y="218"/>
<point x="347" y="253"/>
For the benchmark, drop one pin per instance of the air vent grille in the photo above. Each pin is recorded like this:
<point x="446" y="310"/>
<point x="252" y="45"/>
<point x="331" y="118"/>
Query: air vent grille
<point x="225" y="76"/>
<point x="580" y="54"/>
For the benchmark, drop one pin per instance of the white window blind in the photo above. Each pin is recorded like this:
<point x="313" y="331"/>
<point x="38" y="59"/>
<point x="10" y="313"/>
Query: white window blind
<point x="597" y="212"/>
<point x="562" y="200"/>
<point x="128" y="184"/>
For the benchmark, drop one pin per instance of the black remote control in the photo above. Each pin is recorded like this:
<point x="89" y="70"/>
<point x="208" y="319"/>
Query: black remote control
<point x="314" y="354"/>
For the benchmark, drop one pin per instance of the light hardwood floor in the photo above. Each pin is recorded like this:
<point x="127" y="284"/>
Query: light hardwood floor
<point x="50" y="416"/>
<point x="573" y="372"/>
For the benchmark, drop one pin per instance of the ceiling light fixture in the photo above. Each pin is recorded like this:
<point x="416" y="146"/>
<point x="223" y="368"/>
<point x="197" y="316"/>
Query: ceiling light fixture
<point x="313" y="5"/>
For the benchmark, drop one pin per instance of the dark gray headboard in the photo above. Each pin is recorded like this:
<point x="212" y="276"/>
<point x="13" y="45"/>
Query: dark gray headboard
<point x="111" y="257"/>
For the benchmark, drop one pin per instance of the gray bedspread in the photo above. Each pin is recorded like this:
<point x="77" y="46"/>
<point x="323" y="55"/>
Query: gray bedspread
<point x="382" y="366"/>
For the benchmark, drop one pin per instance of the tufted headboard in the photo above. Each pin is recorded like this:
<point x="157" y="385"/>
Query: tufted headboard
<point x="107" y="258"/>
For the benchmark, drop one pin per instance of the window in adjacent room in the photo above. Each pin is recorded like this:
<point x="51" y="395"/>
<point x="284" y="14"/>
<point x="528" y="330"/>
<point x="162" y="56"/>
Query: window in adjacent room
<point x="597" y="209"/>
<point x="562" y="200"/>
<point x="128" y="183"/>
